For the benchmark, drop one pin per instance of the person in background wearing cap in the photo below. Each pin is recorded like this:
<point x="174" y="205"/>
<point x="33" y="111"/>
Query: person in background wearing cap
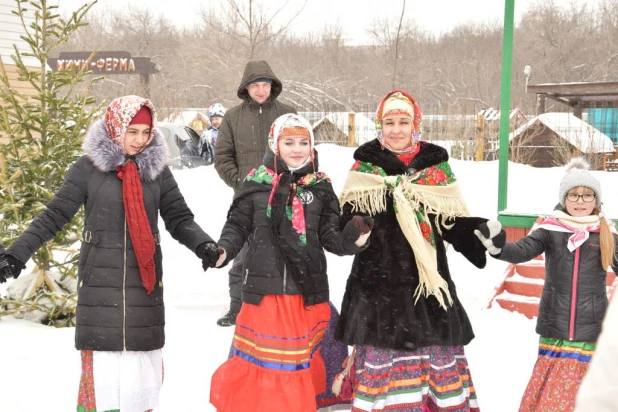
<point x="291" y="212"/>
<point x="400" y="309"/>
<point x="124" y="184"/>
<point x="242" y="140"/>
<point x="579" y="245"/>
<point x="208" y="138"/>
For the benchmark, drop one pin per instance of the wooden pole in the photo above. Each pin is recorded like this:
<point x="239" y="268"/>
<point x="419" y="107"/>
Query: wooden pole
<point x="145" y="81"/>
<point x="540" y="103"/>
<point x="351" y="129"/>
<point x="577" y="111"/>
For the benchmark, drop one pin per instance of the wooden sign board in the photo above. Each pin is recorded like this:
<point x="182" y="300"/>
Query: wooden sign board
<point x="114" y="62"/>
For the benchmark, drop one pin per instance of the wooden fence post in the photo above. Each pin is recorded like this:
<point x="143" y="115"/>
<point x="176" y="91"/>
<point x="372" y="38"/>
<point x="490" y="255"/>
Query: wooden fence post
<point x="351" y="129"/>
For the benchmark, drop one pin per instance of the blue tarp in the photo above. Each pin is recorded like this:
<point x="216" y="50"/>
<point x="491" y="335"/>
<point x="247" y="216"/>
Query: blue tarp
<point x="606" y="120"/>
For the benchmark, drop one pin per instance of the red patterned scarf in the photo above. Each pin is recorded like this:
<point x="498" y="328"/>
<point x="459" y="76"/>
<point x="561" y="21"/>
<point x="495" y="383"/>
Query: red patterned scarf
<point x="122" y="112"/>
<point x="294" y="210"/>
<point x="139" y="225"/>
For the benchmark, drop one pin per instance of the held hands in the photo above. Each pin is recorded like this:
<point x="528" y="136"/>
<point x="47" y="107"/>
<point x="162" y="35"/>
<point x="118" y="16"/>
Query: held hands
<point x="9" y="267"/>
<point x="358" y="230"/>
<point x="222" y="258"/>
<point x="212" y="256"/>
<point x="492" y="236"/>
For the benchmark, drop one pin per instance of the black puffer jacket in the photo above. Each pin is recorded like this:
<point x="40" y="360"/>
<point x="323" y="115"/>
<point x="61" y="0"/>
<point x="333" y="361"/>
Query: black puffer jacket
<point x="379" y="307"/>
<point x="560" y="316"/>
<point x="243" y="135"/>
<point x="114" y="312"/>
<point x="247" y="220"/>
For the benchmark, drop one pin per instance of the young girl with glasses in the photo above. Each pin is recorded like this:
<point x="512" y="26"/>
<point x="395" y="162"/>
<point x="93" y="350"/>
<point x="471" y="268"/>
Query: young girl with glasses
<point x="579" y="246"/>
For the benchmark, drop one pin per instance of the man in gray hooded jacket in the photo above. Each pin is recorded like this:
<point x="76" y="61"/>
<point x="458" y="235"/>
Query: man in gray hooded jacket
<point x="242" y="142"/>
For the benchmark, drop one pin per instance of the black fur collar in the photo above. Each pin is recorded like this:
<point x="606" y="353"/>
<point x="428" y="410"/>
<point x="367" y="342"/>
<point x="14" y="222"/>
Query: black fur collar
<point x="372" y="152"/>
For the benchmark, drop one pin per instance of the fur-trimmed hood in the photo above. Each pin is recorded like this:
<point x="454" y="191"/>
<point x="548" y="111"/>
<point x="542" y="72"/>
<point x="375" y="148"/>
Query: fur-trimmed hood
<point x="105" y="155"/>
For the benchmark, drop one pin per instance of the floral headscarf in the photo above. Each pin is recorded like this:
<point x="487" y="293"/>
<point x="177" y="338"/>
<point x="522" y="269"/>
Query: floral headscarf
<point x="289" y="125"/>
<point x="119" y="114"/>
<point x="398" y="102"/>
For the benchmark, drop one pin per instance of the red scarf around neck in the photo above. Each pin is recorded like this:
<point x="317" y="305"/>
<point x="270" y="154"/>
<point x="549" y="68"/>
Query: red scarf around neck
<point x="139" y="225"/>
<point x="406" y="158"/>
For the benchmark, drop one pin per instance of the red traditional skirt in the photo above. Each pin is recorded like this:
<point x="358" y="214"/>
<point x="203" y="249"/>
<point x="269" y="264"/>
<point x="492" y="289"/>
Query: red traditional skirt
<point x="277" y="364"/>
<point x="557" y="374"/>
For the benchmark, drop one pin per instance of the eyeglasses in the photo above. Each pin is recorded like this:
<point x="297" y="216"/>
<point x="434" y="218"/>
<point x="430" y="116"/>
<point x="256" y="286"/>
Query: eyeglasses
<point x="587" y="198"/>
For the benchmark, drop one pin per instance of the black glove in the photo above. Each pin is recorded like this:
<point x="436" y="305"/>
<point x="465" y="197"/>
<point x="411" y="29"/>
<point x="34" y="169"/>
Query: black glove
<point x="359" y="225"/>
<point x="9" y="267"/>
<point x="209" y="253"/>
<point x="492" y="236"/>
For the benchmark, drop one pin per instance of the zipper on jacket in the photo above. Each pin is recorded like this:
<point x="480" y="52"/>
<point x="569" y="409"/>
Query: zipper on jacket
<point x="255" y="145"/>
<point x="574" y="295"/>
<point x="124" y="292"/>
<point x="260" y="109"/>
<point x="285" y="278"/>
<point x="246" y="276"/>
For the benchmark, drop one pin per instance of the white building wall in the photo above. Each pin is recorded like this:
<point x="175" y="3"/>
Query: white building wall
<point x="10" y="31"/>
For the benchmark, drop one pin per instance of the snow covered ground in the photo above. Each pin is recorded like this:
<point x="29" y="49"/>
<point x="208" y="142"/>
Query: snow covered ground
<point x="40" y="367"/>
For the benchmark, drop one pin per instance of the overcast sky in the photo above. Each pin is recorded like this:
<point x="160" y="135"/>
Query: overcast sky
<point x="355" y="16"/>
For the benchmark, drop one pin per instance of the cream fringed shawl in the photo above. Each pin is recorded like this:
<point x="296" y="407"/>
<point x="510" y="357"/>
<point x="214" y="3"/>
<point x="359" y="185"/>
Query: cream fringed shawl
<point x="431" y="190"/>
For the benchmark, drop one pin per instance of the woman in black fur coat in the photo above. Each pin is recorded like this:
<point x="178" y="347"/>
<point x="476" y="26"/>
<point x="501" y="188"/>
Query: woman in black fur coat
<point x="400" y="309"/>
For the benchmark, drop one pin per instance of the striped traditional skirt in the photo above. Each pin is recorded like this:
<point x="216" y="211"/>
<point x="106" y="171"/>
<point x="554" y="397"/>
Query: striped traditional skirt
<point x="277" y="364"/>
<point x="557" y="374"/>
<point x="430" y="379"/>
<point x="120" y="381"/>
<point x="334" y="354"/>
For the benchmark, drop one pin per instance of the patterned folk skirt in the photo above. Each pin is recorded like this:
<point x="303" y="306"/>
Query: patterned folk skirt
<point x="556" y="376"/>
<point x="277" y="365"/>
<point x="430" y="379"/>
<point x="334" y="354"/>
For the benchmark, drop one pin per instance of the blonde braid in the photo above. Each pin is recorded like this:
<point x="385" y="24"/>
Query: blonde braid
<point x="608" y="243"/>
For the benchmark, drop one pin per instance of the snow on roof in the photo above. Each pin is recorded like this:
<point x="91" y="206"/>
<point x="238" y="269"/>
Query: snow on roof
<point x="365" y="127"/>
<point x="440" y="117"/>
<point x="185" y="116"/>
<point x="585" y="137"/>
<point x="492" y="114"/>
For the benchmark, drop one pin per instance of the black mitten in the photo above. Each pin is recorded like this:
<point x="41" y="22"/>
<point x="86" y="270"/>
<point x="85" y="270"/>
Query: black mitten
<point x="5" y="268"/>
<point x="359" y="225"/>
<point x="209" y="253"/>
<point x="9" y="267"/>
<point x="492" y="236"/>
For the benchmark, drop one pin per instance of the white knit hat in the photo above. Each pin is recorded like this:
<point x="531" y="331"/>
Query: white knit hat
<point x="577" y="174"/>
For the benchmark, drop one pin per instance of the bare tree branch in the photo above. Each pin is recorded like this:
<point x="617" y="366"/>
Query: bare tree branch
<point x="403" y="10"/>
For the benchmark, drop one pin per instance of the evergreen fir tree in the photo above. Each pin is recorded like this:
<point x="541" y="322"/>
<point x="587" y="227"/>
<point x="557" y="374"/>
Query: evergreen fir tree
<point x="42" y="135"/>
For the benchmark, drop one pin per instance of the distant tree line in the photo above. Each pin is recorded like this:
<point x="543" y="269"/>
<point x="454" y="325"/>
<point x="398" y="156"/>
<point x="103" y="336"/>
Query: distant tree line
<point x="456" y="72"/>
